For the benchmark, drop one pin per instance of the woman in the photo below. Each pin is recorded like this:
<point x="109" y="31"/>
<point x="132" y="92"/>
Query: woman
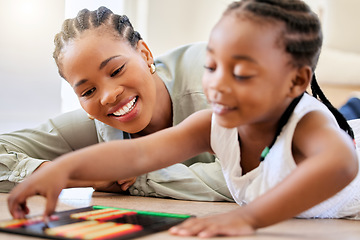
<point x="126" y="94"/>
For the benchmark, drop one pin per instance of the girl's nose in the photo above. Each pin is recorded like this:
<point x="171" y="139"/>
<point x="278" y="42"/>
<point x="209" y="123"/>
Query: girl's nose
<point x="220" y="83"/>
<point x="110" y="94"/>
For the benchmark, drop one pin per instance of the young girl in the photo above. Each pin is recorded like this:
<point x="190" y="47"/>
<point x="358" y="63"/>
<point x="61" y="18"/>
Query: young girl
<point x="282" y="151"/>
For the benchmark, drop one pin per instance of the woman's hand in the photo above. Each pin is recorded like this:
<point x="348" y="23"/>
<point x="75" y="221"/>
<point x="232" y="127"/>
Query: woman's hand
<point x="233" y="223"/>
<point x="47" y="181"/>
<point x="116" y="187"/>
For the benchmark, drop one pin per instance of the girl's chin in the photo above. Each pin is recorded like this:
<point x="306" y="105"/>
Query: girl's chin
<point x="225" y="123"/>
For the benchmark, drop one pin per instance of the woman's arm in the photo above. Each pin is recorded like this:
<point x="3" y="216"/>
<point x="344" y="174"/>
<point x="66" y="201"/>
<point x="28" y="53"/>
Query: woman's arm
<point x="115" y="160"/>
<point x="22" y="152"/>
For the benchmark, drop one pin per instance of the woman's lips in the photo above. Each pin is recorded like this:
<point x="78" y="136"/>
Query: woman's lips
<point x="125" y="109"/>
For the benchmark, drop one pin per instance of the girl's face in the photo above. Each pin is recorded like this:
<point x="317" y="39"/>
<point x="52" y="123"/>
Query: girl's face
<point x="111" y="79"/>
<point x="248" y="75"/>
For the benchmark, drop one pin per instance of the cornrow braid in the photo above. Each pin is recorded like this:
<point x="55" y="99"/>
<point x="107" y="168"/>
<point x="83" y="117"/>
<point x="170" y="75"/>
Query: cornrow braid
<point x="82" y="20"/>
<point x="302" y="37"/>
<point x="318" y="93"/>
<point x="89" y="20"/>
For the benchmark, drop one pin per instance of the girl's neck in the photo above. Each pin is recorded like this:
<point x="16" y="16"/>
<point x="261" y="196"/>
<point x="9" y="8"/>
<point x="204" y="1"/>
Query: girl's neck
<point x="256" y="140"/>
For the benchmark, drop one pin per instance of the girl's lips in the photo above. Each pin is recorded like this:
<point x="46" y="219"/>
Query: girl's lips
<point x="221" y="109"/>
<point x="125" y="109"/>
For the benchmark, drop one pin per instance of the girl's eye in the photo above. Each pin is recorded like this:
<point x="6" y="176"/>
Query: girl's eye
<point x="242" y="77"/>
<point x="117" y="71"/>
<point x="210" y="69"/>
<point x="88" y="93"/>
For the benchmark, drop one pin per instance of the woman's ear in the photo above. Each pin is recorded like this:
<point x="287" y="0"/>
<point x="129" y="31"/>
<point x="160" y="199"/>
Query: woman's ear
<point x="145" y="52"/>
<point x="301" y="81"/>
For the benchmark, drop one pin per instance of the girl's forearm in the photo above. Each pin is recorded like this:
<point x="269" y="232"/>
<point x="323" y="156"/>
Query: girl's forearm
<point x="304" y="188"/>
<point x="129" y="158"/>
<point x="102" y="162"/>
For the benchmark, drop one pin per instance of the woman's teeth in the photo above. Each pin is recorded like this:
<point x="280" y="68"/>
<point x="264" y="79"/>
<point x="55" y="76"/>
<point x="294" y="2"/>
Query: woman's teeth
<point x="126" y="108"/>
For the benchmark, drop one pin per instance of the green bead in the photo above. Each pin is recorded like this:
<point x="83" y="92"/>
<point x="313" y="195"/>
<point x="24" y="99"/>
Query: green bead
<point x="265" y="152"/>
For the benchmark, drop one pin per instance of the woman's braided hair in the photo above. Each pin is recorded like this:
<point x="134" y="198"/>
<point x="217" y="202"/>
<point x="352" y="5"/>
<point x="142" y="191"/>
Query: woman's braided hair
<point x="302" y="37"/>
<point x="85" y="20"/>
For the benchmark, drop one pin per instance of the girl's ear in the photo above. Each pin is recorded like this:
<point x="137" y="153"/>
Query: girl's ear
<point x="301" y="81"/>
<point x="145" y="52"/>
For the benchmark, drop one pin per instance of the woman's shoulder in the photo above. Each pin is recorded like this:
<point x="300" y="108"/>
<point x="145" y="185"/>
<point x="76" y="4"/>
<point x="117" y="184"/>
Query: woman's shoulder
<point x="181" y="70"/>
<point x="187" y="52"/>
<point x="183" y="62"/>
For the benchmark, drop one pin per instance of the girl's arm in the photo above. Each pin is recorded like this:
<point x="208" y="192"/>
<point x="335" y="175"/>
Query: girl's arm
<point x="327" y="162"/>
<point x="114" y="160"/>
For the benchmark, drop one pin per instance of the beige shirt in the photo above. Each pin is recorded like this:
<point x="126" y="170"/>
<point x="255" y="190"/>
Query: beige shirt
<point x="199" y="178"/>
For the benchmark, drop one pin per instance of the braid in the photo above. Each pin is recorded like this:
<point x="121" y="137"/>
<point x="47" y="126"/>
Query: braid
<point x="125" y="29"/>
<point x="102" y="14"/>
<point x="302" y="37"/>
<point x="89" y="20"/>
<point x="318" y="93"/>
<point x="82" y="20"/>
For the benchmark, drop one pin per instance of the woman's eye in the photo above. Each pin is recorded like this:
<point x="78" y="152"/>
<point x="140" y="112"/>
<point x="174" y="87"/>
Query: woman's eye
<point x="210" y="69"/>
<point x="117" y="71"/>
<point x="88" y="92"/>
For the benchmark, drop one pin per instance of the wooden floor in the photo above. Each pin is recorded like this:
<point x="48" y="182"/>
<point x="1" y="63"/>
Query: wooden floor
<point x="291" y="229"/>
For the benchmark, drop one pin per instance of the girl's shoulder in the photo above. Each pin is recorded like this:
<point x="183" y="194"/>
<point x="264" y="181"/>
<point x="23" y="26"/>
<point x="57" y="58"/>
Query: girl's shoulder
<point x="309" y="104"/>
<point x="355" y="125"/>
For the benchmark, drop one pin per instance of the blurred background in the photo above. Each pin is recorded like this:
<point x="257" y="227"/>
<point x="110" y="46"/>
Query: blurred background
<point x="31" y="90"/>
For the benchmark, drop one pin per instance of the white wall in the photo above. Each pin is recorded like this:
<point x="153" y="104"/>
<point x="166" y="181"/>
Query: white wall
<point x="31" y="88"/>
<point x="170" y="23"/>
<point x="30" y="84"/>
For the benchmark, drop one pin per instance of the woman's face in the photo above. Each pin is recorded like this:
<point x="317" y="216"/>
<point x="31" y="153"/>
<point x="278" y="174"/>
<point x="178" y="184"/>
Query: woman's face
<point x="111" y="79"/>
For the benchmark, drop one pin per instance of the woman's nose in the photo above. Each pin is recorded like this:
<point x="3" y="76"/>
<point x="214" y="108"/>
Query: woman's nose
<point x="110" y="94"/>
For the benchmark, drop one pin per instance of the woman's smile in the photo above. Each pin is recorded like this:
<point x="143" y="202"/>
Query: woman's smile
<point x="125" y="109"/>
<point x="126" y="112"/>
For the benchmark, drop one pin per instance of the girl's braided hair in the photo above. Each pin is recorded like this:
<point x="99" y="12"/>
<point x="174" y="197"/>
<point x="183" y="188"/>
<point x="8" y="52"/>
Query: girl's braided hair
<point x="302" y="37"/>
<point x="72" y="29"/>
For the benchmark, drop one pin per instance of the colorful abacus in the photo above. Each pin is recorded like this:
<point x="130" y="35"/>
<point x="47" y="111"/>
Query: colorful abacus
<point x="94" y="222"/>
<point x="16" y="223"/>
<point x="102" y="214"/>
<point x="93" y="230"/>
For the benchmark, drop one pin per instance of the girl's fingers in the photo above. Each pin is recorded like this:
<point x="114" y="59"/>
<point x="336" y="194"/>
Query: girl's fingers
<point x="19" y="212"/>
<point x="17" y="204"/>
<point x="213" y="226"/>
<point x="190" y="227"/>
<point x="51" y="201"/>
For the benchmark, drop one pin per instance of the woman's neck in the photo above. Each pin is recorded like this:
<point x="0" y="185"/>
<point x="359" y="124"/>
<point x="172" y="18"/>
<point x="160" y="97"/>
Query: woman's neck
<point x="162" y="114"/>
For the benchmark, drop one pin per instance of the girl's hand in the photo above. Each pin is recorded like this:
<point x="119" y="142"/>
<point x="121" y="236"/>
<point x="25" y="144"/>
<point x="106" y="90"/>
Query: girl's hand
<point x="227" y="224"/>
<point x="47" y="181"/>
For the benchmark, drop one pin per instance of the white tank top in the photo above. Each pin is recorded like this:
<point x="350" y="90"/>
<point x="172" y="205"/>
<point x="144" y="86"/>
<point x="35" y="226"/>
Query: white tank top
<point x="278" y="164"/>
